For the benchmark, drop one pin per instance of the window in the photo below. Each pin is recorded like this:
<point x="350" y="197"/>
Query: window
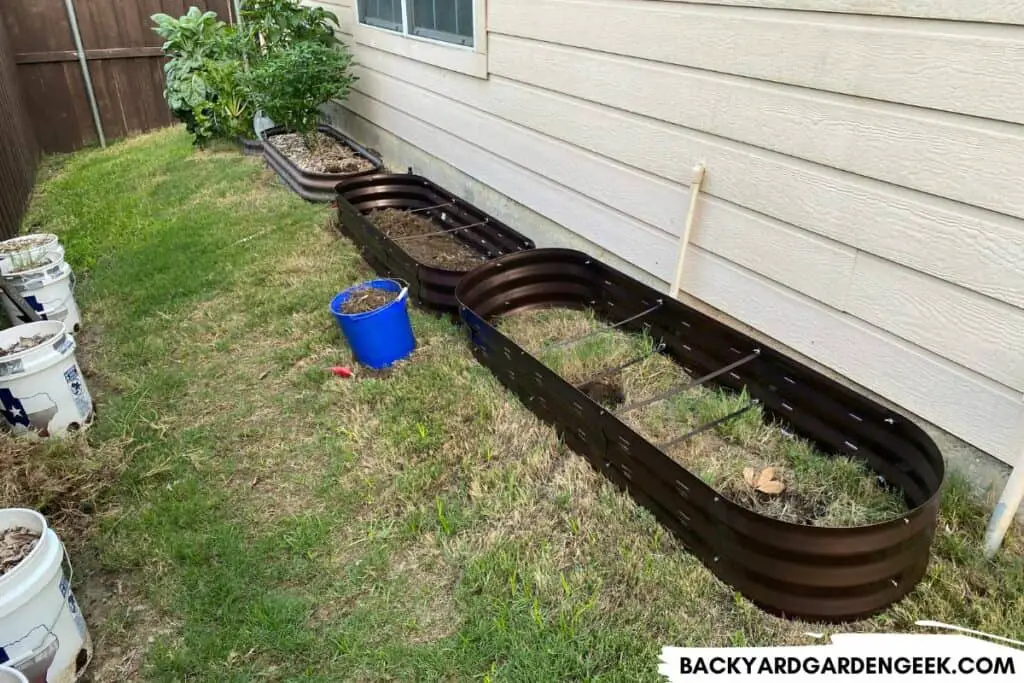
<point x="449" y="21"/>
<point x="450" y="34"/>
<point x="382" y="13"/>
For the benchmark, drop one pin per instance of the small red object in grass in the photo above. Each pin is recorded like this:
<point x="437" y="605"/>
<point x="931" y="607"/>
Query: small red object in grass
<point x="341" y="372"/>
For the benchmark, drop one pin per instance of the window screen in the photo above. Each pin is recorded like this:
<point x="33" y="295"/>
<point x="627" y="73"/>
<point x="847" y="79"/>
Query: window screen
<point x="447" y="20"/>
<point x="383" y="13"/>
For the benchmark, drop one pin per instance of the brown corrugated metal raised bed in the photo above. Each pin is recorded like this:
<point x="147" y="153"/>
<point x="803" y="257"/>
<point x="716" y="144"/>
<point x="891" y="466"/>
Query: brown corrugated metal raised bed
<point x="251" y="147"/>
<point x="817" y="573"/>
<point x="432" y="287"/>
<point x="314" y="187"/>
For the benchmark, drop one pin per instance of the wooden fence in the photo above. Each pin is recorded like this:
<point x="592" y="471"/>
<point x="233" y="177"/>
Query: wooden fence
<point x="18" y="151"/>
<point x="123" y="56"/>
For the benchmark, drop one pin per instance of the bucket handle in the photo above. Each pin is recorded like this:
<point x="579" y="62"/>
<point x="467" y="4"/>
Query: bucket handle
<point x="404" y="293"/>
<point x="63" y="603"/>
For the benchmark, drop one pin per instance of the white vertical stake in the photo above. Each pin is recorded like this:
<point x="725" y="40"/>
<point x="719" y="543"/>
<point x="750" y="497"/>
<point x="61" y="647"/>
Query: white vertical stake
<point x="695" y="184"/>
<point x="1006" y="509"/>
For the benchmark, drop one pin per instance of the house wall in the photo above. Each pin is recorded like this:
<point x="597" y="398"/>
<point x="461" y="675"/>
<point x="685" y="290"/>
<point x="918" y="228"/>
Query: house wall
<point x="863" y="201"/>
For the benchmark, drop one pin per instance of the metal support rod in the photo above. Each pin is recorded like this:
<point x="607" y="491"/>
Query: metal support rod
<point x="429" y="208"/>
<point x="708" y="425"/>
<point x="690" y="385"/>
<point x="619" y="368"/>
<point x="439" y="232"/>
<point x="695" y="184"/>
<point x="609" y="328"/>
<point x="69" y="5"/>
<point x="27" y="313"/>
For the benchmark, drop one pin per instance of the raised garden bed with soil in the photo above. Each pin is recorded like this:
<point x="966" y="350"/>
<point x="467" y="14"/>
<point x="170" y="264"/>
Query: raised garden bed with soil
<point x="313" y="174"/>
<point x="409" y="228"/>
<point x="811" y="499"/>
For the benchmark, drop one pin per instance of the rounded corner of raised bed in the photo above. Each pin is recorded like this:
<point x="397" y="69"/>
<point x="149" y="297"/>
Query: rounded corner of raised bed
<point x="800" y="571"/>
<point x="316" y="186"/>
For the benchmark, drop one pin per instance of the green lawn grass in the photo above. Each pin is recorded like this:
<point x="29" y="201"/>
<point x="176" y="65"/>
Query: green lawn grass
<point x="268" y="521"/>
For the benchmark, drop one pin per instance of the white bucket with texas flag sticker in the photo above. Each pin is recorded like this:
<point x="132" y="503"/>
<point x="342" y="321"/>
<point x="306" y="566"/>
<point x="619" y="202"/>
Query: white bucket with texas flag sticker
<point x="42" y="390"/>
<point x="42" y="632"/>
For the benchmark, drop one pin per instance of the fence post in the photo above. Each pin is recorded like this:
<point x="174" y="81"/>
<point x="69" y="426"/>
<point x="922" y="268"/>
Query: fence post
<point x="86" y="76"/>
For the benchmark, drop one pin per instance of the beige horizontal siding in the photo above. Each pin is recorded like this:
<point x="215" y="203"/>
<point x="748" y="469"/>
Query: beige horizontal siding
<point x="880" y="238"/>
<point x="921" y="149"/>
<point x="958" y="67"/>
<point x="1003" y="11"/>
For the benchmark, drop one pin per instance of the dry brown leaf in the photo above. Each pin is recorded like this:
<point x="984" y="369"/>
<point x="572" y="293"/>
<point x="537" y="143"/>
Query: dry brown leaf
<point x="748" y="476"/>
<point x="772" y="488"/>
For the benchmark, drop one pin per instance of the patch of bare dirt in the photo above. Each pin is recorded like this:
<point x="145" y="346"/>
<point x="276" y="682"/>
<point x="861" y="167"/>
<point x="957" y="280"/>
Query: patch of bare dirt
<point x="326" y="156"/>
<point x="62" y="480"/>
<point x="411" y="231"/>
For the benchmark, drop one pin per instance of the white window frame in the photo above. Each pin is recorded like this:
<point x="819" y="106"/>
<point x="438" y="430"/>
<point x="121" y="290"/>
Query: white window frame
<point x="471" y="60"/>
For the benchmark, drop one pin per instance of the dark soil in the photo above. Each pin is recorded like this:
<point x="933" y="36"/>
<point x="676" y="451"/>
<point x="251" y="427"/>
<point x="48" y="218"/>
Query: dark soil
<point x="367" y="300"/>
<point x="438" y="251"/>
<point x="15" y="545"/>
<point x="24" y="344"/>
<point x="609" y="394"/>
<point x="327" y="156"/>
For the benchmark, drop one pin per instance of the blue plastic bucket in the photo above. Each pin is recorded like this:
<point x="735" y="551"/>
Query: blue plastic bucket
<point x="381" y="337"/>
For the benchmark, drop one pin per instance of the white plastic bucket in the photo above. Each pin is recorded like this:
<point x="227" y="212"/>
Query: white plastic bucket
<point x="50" y="290"/>
<point x="9" y="675"/>
<point x="42" y="389"/>
<point x="29" y="251"/>
<point x="42" y="632"/>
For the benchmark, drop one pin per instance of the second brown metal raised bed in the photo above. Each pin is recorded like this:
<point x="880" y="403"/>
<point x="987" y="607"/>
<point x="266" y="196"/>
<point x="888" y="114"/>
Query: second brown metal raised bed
<point x="432" y="287"/>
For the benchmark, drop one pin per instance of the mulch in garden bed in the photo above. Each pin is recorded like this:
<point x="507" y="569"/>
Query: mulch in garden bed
<point x="326" y="156"/>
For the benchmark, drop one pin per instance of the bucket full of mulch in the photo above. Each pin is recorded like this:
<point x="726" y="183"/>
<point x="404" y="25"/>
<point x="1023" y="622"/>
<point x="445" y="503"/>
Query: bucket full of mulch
<point x="30" y="251"/>
<point x="374" y="317"/>
<point x="42" y="632"/>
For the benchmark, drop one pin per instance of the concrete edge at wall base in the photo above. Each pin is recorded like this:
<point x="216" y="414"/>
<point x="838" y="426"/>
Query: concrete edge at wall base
<point x="986" y="473"/>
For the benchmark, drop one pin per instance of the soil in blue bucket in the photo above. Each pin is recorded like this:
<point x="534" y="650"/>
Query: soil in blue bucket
<point x="374" y="317"/>
<point x="367" y="300"/>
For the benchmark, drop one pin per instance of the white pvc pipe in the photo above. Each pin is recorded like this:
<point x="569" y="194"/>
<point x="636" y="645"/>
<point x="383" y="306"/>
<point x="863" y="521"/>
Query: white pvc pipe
<point x="1006" y="509"/>
<point x="684" y="241"/>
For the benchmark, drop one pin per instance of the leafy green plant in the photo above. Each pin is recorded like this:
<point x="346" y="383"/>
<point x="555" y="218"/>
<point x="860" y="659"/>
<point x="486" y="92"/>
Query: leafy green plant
<point x="275" y="25"/>
<point x="291" y="85"/>
<point x="192" y="43"/>
<point x="232" y="104"/>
